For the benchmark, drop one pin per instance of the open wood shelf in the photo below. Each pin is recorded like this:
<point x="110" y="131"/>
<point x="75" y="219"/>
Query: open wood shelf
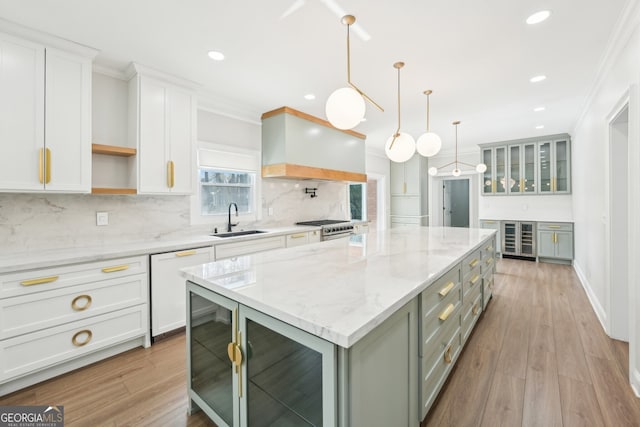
<point x="113" y="150"/>
<point x="97" y="190"/>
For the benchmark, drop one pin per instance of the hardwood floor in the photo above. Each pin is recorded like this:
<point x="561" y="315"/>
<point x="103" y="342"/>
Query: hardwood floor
<point x="555" y="366"/>
<point x="538" y="357"/>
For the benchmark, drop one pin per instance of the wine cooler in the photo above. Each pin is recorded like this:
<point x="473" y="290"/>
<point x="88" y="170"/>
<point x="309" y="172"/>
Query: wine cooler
<point x="519" y="238"/>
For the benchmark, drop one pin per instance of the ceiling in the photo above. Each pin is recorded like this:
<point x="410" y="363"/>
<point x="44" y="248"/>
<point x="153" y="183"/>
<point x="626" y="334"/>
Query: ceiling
<point x="476" y="55"/>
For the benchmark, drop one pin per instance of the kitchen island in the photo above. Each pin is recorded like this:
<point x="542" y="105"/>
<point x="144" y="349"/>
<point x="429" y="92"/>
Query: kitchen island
<point x="360" y="331"/>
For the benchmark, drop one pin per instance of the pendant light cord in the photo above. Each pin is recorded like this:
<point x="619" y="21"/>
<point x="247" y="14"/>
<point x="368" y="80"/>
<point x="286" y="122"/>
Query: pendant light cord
<point x="457" y="145"/>
<point x="427" y="113"/>
<point x="348" y="54"/>
<point x="398" y="131"/>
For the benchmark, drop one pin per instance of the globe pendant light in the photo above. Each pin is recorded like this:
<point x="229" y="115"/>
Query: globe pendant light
<point x="480" y="167"/>
<point x="400" y="146"/>
<point x="428" y="143"/>
<point x="345" y="107"/>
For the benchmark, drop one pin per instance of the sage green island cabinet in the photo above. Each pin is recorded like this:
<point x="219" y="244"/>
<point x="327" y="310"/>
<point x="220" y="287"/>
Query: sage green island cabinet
<point x="356" y="332"/>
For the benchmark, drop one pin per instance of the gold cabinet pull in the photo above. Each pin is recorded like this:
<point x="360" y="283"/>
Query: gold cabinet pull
<point x="489" y="222"/>
<point x="297" y="236"/>
<point x="488" y="248"/>
<point x="39" y="281"/>
<point x="474" y="279"/>
<point x="493" y="186"/>
<point x="186" y="253"/>
<point x="115" y="268"/>
<point x="446" y="313"/>
<point x="444" y="291"/>
<point x="47" y="166"/>
<point x="475" y="308"/>
<point x="404" y="188"/>
<point x="521" y="184"/>
<point x="41" y="166"/>
<point x="76" y="337"/>
<point x="78" y="307"/>
<point x="447" y="355"/>
<point x="553" y="226"/>
<point x="170" y="174"/>
<point x="234" y="351"/>
<point x="473" y="263"/>
<point x="489" y="261"/>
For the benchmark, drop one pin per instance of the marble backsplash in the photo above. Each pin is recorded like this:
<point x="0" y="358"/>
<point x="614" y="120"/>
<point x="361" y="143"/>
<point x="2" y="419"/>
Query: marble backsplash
<point x="37" y="221"/>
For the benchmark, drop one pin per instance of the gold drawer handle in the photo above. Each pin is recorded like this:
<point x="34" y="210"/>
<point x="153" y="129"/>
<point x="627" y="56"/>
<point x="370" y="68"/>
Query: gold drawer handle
<point x="39" y="281"/>
<point x="446" y="313"/>
<point x="553" y="226"/>
<point x="488" y="248"/>
<point x="474" y="279"/>
<point x="75" y="302"/>
<point x="297" y="236"/>
<point x="444" y="291"/>
<point x="473" y="263"/>
<point x="489" y="261"/>
<point x="475" y="309"/>
<point x="186" y="253"/>
<point x="115" y="268"/>
<point x="447" y="355"/>
<point x="75" y="341"/>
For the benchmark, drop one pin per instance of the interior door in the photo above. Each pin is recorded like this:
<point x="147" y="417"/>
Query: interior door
<point x="456" y="202"/>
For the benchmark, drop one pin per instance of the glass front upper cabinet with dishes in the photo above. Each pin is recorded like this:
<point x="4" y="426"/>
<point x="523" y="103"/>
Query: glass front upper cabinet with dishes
<point x="528" y="166"/>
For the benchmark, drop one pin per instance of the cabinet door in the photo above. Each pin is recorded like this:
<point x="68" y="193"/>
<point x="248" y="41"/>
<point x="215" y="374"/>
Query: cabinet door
<point x="515" y="182"/>
<point x="561" y="157"/>
<point x="501" y="170"/>
<point x="545" y="172"/>
<point x="181" y="128"/>
<point x="153" y="153"/>
<point x="546" y="244"/>
<point x="22" y="112"/>
<point x="68" y="123"/>
<point x="529" y="184"/>
<point x="489" y="175"/>
<point x="211" y="326"/>
<point x="167" y="287"/>
<point x="564" y="245"/>
<point x="289" y="374"/>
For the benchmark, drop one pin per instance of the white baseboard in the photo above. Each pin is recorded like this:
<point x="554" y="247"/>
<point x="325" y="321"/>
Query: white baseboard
<point x="597" y="307"/>
<point x="635" y="382"/>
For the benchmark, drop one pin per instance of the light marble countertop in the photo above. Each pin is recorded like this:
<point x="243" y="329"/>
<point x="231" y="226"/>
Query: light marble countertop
<point x="49" y="258"/>
<point x="340" y="290"/>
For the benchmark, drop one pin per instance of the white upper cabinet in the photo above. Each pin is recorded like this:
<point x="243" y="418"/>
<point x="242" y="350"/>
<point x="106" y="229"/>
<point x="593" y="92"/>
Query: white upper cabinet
<point x="163" y="122"/>
<point x="45" y="133"/>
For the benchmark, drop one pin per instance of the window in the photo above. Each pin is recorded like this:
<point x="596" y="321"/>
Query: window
<point x="358" y="201"/>
<point x="226" y="174"/>
<point x="219" y="188"/>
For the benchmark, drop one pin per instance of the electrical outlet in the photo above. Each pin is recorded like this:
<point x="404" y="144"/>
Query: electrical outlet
<point x="102" y="218"/>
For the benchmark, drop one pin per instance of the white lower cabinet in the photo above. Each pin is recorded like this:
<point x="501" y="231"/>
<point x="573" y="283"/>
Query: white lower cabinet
<point x="296" y="239"/>
<point x="168" y="305"/>
<point x="57" y="319"/>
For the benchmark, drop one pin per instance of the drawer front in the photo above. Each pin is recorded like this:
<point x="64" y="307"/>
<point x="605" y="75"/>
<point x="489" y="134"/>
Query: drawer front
<point x="487" y="265"/>
<point x="471" y="312"/>
<point x="488" y="249"/>
<point x="30" y="352"/>
<point x="46" y="279"/>
<point x="434" y="296"/>
<point x="436" y="367"/>
<point x="297" y="239"/>
<point x="487" y="290"/>
<point x="470" y="262"/>
<point x="228" y="250"/>
<point x="555" y="226"/>
<point x="433" y="324"/>
<point x="33" y="312"/>
<point x="472" y="281"/>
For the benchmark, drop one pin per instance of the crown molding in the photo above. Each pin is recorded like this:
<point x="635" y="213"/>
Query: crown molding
<point x="110" y="72"/>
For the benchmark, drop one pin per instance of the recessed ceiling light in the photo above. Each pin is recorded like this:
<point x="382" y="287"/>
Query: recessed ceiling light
<point x="538" y="17"/>
<point x="540" y="127"/>
<point x="537" y="79"/>
<point x="215" y="55"/>
<point x="538" y="109"/>
<point x="309" y="97"/>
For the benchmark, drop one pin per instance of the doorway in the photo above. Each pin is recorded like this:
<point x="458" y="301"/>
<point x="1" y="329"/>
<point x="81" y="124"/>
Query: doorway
<point x="455" y="202"/>
<point x="619" y="224"/>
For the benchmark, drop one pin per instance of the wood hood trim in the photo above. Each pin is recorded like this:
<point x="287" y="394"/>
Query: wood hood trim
<point x="288" y="170"/>
<point x="311" y="118"/>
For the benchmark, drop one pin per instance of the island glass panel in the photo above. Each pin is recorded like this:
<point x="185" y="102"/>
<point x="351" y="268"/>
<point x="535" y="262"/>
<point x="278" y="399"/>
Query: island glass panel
<point x="211" y="369"/>
<point x="284" y="380"/>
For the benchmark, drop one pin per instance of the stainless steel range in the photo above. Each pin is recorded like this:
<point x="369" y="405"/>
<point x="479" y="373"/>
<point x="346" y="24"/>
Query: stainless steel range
<point x="331" y="228"/>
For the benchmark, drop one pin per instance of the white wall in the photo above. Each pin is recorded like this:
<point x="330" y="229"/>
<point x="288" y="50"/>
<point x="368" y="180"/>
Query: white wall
<point x="590" y="142"/>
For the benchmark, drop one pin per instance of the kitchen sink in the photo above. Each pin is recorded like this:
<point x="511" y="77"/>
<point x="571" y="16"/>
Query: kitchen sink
<point x="239" y="233"/>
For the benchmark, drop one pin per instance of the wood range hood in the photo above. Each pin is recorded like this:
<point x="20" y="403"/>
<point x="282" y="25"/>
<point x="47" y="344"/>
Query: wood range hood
<point x="296" y="145"/>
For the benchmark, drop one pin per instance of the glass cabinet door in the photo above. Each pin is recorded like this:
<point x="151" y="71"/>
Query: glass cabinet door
<point x="488" y="177"/>
<point x="210" y="330"/>
<point x="501" y="169"/>
<point x="514" y="183"/>
<point x="529" y="168"/>
<point x="544" y="165"/>
<point x="288" y="374"/>
<point x="561" y="167"/>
